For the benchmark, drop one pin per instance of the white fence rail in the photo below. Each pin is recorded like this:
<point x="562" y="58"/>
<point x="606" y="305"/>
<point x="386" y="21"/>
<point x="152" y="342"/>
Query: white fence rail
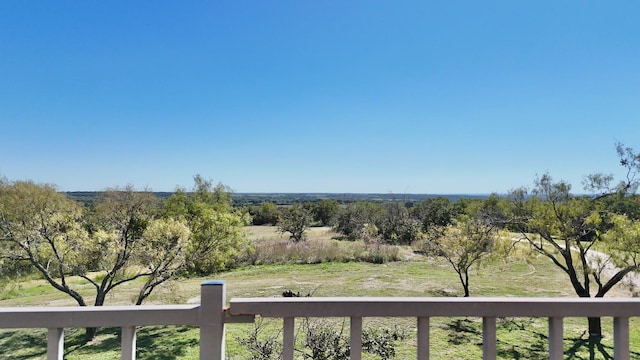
<point x="211" y="316"/>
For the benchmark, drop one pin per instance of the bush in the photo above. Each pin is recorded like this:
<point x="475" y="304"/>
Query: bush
<point x="382" y="341"/>
<point x="266" y="213"/>
<point x="324" y="340"/>
<point x="325" y="343"/>
<point x="262" y="346"/>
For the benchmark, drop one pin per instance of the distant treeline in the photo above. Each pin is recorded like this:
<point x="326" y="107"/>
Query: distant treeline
<point x="89" y="197"/>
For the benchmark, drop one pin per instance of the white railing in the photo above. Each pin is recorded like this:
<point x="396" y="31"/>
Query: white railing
<point x="212" y="315"/>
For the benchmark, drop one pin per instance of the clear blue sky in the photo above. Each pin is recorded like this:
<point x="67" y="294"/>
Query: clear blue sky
<point x="317" y="96"/>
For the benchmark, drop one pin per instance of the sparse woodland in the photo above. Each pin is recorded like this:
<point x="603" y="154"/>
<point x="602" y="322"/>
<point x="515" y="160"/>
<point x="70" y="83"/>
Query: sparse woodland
<point x="127" y="237"/>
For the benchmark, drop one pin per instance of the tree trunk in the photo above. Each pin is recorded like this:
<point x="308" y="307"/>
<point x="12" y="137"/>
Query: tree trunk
<point x="595" y="328"/>
<point x="595" y="324"/>
<point x="90" y="333"/>
<point x="465" y="284"/>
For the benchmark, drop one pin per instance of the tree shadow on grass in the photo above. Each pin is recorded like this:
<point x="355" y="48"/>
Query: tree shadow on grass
<point x="153" y="342"/>
<point x="23" y="344"/>
<point x="595" y="348"/>
<point x="165" y="343"/>
<point x="534" y="348"/>
<point x="107" y="339"/>
<point x="462" y="331"/>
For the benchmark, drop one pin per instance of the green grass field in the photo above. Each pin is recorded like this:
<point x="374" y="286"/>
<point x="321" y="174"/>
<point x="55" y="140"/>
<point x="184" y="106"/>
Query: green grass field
<point x="451" y="338"/>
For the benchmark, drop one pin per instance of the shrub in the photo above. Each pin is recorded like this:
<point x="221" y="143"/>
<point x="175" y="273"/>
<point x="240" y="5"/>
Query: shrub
<point x="262" y="347"/>
<point x="382" y="341"/>
<point x="325" y="343"/>
<point x="324" y="340"/>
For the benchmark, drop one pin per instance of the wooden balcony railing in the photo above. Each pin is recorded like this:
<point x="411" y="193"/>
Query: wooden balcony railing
<point x="212" y="315"/>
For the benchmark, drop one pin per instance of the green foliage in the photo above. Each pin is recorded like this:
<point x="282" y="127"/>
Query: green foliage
<point x="295" y="221"/>
<point x="261" y="343"/>
<point x="354" y="218"/>
<point x="217" y="239"/>
<point x="464" y="244"/>
<point x="569" y="226"/>
<point x="163" y="253"/>
<point x="119" y="238"/>
<point x="326" y="212"/>
<point x="622" y="241"/>
<point x="565" y="228"/>
<point x="60" y="239"/>
<point x="382" y="341"/>
<point x="266" y="213"/>
<point x="439" y="211"/>
<point x="118" y="222"/>
<point x="623" y="205"/>
<point x="42" y="227"/>
<point x="396" y="226"/>
<point x="325" y="342"/>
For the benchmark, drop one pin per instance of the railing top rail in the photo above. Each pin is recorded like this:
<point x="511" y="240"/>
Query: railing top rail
<point x="90" y="316"/>
<point x="430" y="306"/>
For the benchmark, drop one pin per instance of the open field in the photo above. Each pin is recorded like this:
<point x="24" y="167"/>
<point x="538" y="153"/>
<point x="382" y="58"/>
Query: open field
<point x="416" y="276"/>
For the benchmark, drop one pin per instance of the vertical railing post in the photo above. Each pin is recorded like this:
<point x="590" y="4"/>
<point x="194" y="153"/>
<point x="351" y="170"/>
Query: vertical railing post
<point x="621" y="338"/>
<point x="355" y="333"/>
<point x="423" y="338"/>
<point x="288" y="338"/>
<point x="128" y="343"/>
<point x="556" y="336"/>
<point x="489" y="338"/>
<point x="212" y="301"/>
<point x="55" y="343"/>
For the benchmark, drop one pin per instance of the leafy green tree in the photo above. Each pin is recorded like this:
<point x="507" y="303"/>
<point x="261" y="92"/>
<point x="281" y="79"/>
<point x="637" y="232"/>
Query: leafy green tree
<point x="266" y="213"/>
<point x="355" y="218"/>
<point x="120" y="238"/>
<point x="10" y="269"/>
<point x="326" y="211"/>
<point x="217" y="239"/>
<point x="58" y="238"/>
<point x="163" y="253"/>
<point x="296" y="220"/>
<point x="492" y="207"/>
<point x="397" y="226"/>
<point x="621" y="203"/>
<point x="464" y="244"/>
<point x="565" y="228"/>
<point x="42" y="227"/>
<point x="119" y="221"/>
<point x="439" y="211"/>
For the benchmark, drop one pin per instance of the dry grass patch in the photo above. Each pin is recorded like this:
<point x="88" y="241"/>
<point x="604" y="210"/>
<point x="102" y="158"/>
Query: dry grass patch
<point x="321" y="246"/>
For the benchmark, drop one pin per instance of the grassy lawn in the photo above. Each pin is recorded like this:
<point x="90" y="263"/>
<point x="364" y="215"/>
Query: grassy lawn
<point x="451" y="338"/>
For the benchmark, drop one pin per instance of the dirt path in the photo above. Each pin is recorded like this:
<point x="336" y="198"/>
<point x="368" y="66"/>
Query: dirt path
<point x="595" y="259"/>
